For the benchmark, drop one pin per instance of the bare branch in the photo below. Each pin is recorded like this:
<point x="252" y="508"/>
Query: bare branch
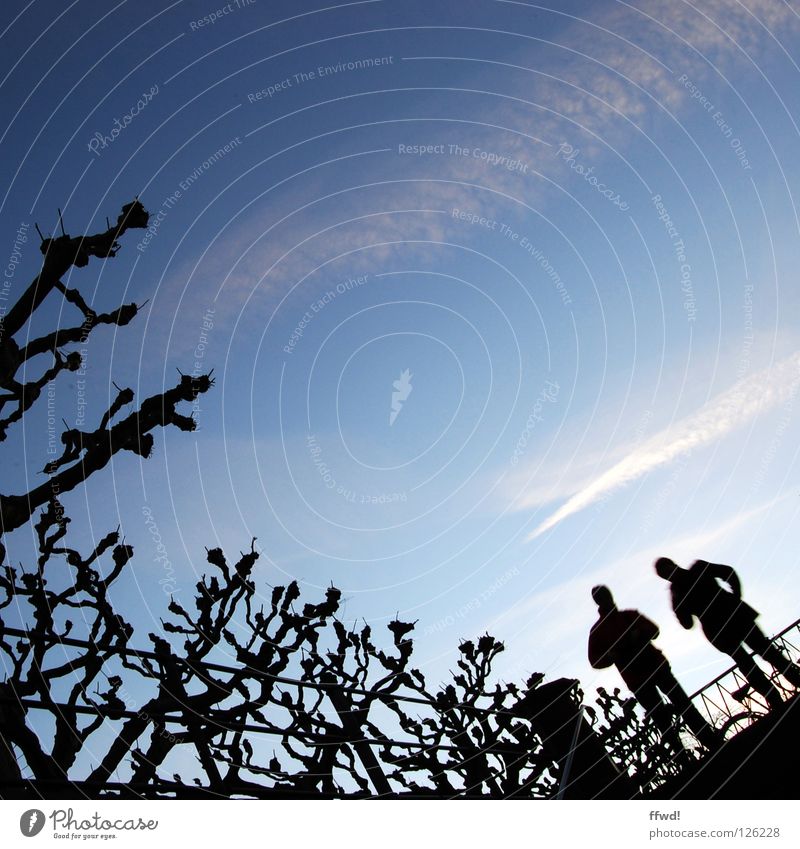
<point x="97" y="449"/>
<point x="61" y="254"/>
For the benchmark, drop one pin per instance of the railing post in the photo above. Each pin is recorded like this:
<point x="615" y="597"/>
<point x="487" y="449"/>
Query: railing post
<point x="562" y="787"/>
<point x="552" y="709"/>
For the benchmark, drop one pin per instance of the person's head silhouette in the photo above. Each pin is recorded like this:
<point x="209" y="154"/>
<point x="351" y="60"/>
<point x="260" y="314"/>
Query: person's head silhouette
<point x="665" y="568"/>
<point x="603" y="598"/>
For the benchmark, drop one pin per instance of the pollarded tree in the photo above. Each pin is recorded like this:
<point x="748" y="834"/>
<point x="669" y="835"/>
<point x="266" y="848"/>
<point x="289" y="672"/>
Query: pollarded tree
<point x="302" y="706"/>
<point x="41" y="593"/>
<point x="343" y="715"/>
<point x="85" y="452"/>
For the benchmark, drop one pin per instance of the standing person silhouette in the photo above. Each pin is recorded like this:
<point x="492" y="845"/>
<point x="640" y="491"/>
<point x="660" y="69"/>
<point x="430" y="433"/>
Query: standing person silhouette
<point x="624" y="638"/>
<point x="728" y="622"/>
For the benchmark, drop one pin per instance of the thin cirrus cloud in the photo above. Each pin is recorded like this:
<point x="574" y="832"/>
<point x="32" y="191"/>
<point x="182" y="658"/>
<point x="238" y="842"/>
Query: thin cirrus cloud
<point x="623" y="58"/>
<point x="718" y="417"/>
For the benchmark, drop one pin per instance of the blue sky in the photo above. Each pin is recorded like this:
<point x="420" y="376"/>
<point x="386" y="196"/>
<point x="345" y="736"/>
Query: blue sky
<point x="574" y="227"/>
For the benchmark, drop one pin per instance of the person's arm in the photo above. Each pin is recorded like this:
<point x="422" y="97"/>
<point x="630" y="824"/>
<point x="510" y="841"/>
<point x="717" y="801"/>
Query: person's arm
<point x="727" y="574"/>
<point x="683" y="616"/>
<point x="599" y="656"/>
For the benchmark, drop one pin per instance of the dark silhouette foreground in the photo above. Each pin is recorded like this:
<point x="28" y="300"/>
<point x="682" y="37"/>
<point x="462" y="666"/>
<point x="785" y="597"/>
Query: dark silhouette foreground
<point x="728" y="622"/>
<point x="624" y="638"/>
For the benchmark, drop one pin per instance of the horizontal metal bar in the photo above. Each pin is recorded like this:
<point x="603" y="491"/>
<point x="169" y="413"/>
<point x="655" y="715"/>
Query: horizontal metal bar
<point x="321" y="739"/>
<point x="250" y="670"/>
<point x="778" y="636"/>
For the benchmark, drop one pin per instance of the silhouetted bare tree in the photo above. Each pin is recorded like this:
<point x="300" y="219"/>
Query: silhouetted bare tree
<point x="33" y="677"/>
<point x="239" y="694"/>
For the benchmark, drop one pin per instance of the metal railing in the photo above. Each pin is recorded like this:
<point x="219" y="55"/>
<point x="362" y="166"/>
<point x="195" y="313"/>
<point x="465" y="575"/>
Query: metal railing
<point x="727" y="702"/>
<point x="376" y="754"/>
<point x="736" y="712"/>
<point x="633" y="744"/>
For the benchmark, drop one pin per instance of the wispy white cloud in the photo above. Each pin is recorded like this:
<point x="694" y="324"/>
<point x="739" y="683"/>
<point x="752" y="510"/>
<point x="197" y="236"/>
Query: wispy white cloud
<point x="720" y="29"/>
<point x="257" y="260"/>
<point x="610" y="71"/>
<point x="547" y="481"/>
<point x="718" y="417"/>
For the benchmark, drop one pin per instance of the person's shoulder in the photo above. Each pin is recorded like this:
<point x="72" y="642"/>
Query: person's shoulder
<point x="599" y="625"/>
<point x="638" y="618"/>
<point x="631" y="619"/>
<point x="700" y="570"/>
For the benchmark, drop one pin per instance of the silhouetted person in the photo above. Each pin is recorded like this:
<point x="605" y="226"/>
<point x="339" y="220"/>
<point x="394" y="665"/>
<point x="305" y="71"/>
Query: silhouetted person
<point x="728" y="622"/>
<point x="624" y="638"/>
